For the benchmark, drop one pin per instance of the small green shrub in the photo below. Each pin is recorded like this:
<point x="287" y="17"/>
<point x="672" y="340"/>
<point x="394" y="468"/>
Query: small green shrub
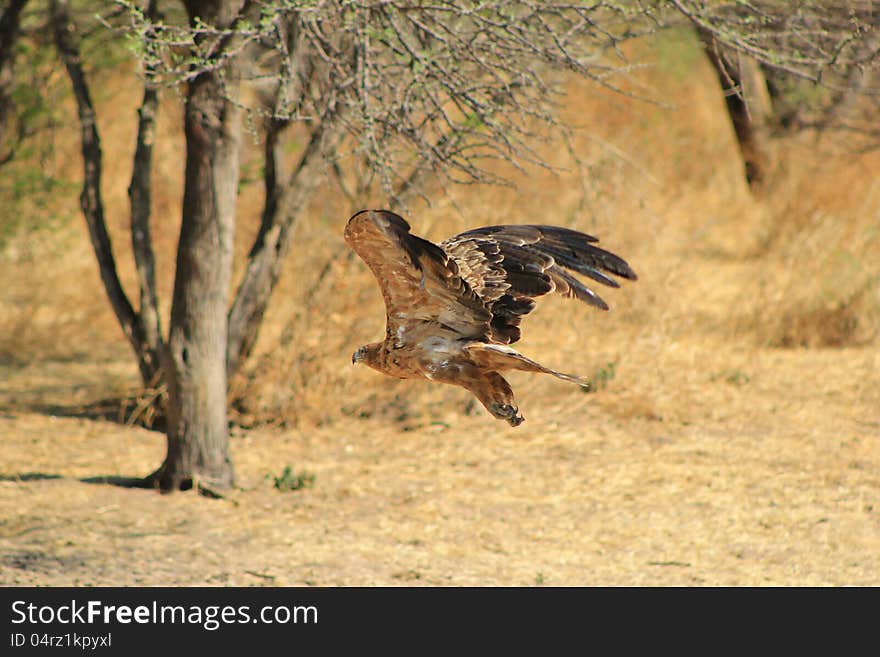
<point x="600" y="379"/>
<point x="289" y="481"/>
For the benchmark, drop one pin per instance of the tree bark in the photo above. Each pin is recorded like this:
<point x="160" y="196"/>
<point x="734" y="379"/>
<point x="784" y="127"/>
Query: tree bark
<point x="195" y="358"/>
<point x="730" y="76"/>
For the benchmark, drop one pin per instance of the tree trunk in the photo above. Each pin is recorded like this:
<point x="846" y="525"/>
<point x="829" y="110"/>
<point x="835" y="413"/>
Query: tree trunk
<point x="140" y="199"/>
<point x="195" y="357"/>
<point x="731" y="77"/>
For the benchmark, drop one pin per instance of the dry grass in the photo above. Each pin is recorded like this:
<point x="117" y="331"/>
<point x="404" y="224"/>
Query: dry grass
<point x="734" y="441"/>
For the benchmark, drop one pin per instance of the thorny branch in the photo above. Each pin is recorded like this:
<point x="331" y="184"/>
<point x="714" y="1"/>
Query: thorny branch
<point x="446" y="86"/>
<point x="834" y="44"/>
<point x="807" y="40"/>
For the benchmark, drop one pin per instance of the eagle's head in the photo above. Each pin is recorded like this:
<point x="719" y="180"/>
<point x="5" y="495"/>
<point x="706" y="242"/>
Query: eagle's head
<point x="367" y="354"/>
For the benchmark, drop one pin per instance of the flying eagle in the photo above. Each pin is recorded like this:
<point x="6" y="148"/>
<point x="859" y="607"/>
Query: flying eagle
<point x="453" y="308"/>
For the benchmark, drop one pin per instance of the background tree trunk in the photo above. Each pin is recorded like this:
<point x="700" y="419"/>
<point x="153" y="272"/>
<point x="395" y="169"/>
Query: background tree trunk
<point x="732" y="77"/>
<point x="195" y="357"/>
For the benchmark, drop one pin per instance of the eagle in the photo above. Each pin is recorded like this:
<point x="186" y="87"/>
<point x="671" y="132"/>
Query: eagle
<point x="454" y="308"/>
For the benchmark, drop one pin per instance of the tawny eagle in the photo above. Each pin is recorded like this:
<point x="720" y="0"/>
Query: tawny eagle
<point x="453" y="308"/>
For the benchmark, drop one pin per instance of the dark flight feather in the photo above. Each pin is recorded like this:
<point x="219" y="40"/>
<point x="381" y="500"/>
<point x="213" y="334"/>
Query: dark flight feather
<point x="532" y="260"/>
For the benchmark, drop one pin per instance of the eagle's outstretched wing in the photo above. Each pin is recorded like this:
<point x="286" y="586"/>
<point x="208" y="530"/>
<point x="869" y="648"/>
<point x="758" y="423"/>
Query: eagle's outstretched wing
<point x="509" y="266"/>
<point x="419" y="281"/>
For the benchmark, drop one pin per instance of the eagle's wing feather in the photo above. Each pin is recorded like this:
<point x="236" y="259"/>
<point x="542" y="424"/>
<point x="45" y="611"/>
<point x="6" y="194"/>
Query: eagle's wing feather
<point x="419" y="281"/>
<point x="509" y="266"/>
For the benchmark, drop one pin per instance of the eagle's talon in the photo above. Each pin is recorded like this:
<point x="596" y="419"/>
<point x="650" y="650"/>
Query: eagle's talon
<point x="506" y="412"/>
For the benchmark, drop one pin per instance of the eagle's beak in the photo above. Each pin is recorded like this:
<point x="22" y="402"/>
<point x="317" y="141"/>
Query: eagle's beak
<point x="357" y="356"/>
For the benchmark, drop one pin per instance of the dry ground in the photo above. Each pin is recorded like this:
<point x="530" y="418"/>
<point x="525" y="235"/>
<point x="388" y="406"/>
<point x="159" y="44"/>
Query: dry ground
<point x="769" y="484"/>
<point x="735" y="439"/>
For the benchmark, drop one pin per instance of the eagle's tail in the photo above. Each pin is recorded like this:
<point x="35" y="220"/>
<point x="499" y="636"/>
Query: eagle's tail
<point x="499" y="357"/>
<point x="571" y="378"/>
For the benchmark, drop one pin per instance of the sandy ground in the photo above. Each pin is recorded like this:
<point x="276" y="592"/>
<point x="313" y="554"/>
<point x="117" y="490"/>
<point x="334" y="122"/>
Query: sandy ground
<point x="772" y="485"/>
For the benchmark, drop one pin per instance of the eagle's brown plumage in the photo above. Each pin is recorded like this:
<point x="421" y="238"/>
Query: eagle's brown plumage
<point x="453" y="308"/>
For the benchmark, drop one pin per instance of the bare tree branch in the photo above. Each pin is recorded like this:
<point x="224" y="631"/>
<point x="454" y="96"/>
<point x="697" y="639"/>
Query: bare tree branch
<point x="141" y="238"/>
<point x="90" y="198"/>
<point x="807" y="40"/>
<point x="403" y="77"/>
<point x="273" y="243"/>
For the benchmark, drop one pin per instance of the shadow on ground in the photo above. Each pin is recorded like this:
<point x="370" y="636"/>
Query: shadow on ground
<point x="111" y="480"/>
<point x="126" y="410"/>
